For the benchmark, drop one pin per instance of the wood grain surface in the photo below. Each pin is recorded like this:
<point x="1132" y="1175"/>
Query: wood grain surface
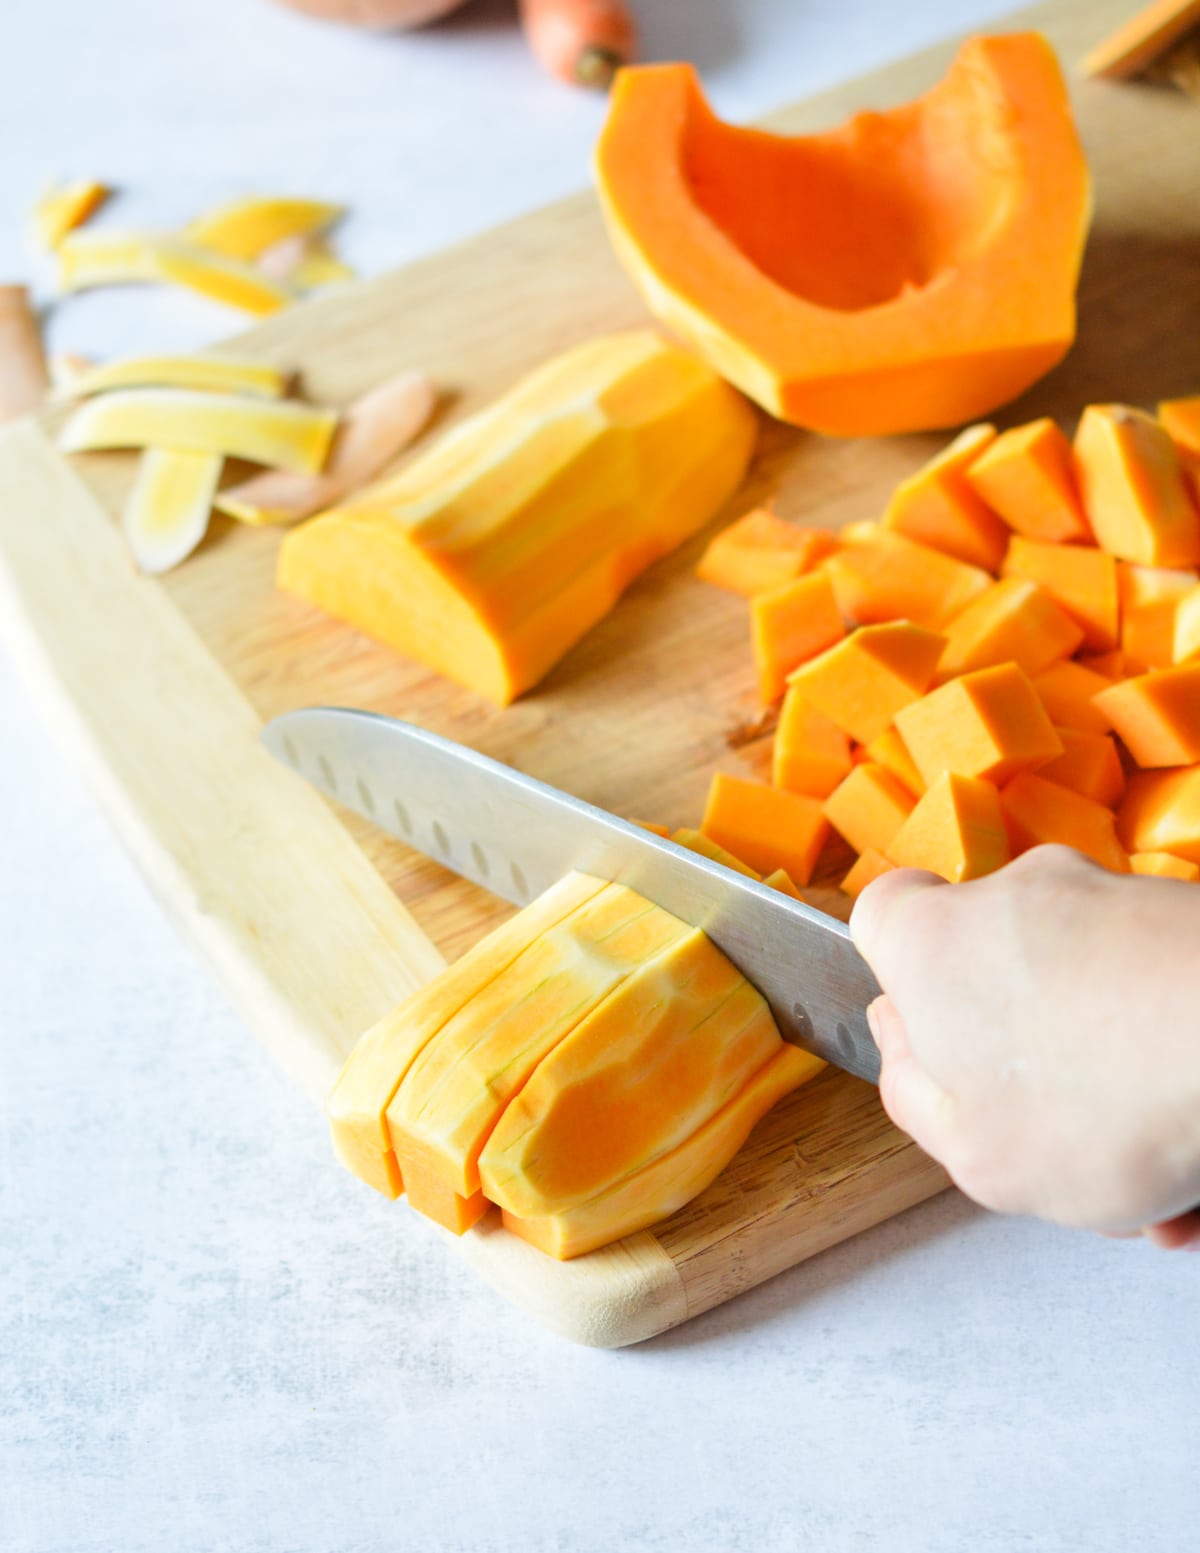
<point x="318" y="923"/>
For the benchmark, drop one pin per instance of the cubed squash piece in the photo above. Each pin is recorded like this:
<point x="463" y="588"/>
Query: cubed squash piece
<point x="890" y="751"/>
<point x="1089" y="765"/>
<point x="1185" y="645"/>
<point x="767" y="826"/>
<point x="782" y="881"/>
<point x="868" y="808"/>
<point x="1150" y="599"/>
<point x="1026" y="476"/>
<point x="811" y="753"/>
<point x="939" y="507"/>
<point x="1080" y="579"/>
<point x="864" y="681"/>
<point x="865" y="869"/>
<point x="1068" y="691"/>
<point x="1132" y="487"/>
<point x="879" y="576"/>
<point x="762" y="551"/>
<point x="1157" y="715"/>
<point x="790" y="625"/>
<point x="956" y="830"/>
<point x="1161" y="813"/>
<point x="1015" y="621"/>
<point x="1163" y="865"/>
<point x="1037" y="811"/>
<point x="987" y="724"/>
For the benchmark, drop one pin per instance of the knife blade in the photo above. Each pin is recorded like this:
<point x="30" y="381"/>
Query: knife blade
<point x="517" y="836"/>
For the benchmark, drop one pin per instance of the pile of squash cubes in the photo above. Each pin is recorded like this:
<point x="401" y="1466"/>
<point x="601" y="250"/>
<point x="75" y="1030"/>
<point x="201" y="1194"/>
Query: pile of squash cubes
<point x="1010" y="656"/>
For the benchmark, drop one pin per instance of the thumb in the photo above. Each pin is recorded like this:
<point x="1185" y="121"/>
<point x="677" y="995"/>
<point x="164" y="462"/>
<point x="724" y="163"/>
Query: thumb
<point x="887" y="920"/>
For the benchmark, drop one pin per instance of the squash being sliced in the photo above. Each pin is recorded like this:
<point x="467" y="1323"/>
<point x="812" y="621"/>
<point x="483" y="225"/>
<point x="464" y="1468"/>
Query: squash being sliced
<point x="495" y="551"/>
<point x="908" y="270"/>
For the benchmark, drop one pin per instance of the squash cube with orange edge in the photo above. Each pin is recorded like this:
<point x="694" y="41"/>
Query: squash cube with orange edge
<point x="1026" y="476"/>
<point x="1150" y="600"/>
<point x="811" y="753"/>
<point x="790" y="625"/>
<point x="1015" y="621"/>
<point x="1157" y="715"/>
<point x="1161" y="813"/>
<point x="865" y="869"/>
<point x="987" y="724"/>
<point x="868" y="808"/>
<point x="765" y="826"/>
<point x="1068" y="691"/>
<point x="762" y="551"/>
<point x="1037" y="811"/>
<point x="956" y="830"/>
<point x="1132" y="487"/>
<point x="1089" y="765"/>
<point x="865" y="680"/>
<point x="1081" y="579"/>
<point x="879" y="576"/>
<point x="890" y="751"/>
<point x="938" y="507"/>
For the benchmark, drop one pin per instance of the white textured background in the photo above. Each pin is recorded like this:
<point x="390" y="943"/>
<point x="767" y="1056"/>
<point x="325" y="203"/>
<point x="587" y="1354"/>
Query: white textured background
<point x="213" y="1339"/>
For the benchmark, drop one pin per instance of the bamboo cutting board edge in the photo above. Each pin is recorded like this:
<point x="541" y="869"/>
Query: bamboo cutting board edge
<point x="117" y="663"/>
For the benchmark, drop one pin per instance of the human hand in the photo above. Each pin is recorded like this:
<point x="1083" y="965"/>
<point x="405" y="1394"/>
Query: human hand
<point x="1040" y="1037"/>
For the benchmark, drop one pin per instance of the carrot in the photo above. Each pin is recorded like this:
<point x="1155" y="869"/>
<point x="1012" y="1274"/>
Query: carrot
<point x="583" y="42"/>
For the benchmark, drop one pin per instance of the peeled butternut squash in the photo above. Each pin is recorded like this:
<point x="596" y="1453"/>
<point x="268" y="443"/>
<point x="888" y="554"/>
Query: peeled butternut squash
<point x="588" y="1067"/>
<point x="908" y="270"/>
<point x="491" y="554"/>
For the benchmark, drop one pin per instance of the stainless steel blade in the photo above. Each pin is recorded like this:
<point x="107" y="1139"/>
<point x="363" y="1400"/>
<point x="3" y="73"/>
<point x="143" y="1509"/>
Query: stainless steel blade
<point x="517" y="836"/>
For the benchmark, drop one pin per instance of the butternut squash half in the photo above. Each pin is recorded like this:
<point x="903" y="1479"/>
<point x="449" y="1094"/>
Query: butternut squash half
<point x="909" y="270"/>
<point x="491" y="554"/>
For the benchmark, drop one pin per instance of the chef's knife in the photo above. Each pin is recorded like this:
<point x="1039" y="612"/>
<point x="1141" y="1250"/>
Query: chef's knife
<point x="517" y="836"/>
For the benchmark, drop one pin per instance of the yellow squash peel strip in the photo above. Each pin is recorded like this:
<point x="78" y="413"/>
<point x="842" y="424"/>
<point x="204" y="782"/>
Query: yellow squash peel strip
<point x="129" y="258"/>
<point x="283" y="435"/>
<point x="211" y="374"/>
<point x="169" y="506"/>
<point x="247" y="228"/>
<point x="64" y="207"/>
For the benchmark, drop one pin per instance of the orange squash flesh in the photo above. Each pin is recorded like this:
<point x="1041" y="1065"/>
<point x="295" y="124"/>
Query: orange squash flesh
<point x="956" y="830"/>
<point x="788" y="626"/>
<point x="1163" y="865"/>
<point x="1180" y="419"/>
<point x="869" y="808"/>
<point x="811" y="753"/>
<point x="864" y="681"/>
<point x="1083" y="581"/>
<point x="697" y="841"/>
<point x="1132" y="487"/>
<point x="1161" y="813"/>
<point x="1015" y="621"/>
<point x="357" y="1104"/>
<point x="762" y="551"/>
<point x="1026" y="476"/>
<point x="1038" y="811"/>
<point x="1140" y="40"/>
<point x="1157" y="715"/>
<point x="1089" y="765"/>
<point x="658" y="1190"/>
<point x="938" y="507"/>
<point x="987" y="724"/>
<point x="768" y="827"/>
<point x="890" y="751"/>
<point x="1068" y="691"/>
<point x="883" y="576"/>
<point x="866" y="868"/>
<point x="492" y="553"/>
<point x="633" y="1081"/>
<point x="909" y="270"/>
<point x="782" y="881"/>
<point x="458" y="1085"/>
<point x="1150" y="600"/>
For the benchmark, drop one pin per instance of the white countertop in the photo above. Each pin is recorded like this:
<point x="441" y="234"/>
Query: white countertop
<point x="212" y="1338"/>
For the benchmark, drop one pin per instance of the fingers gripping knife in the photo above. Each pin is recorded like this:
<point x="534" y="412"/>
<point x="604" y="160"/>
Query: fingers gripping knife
<point x="516" y="837"/>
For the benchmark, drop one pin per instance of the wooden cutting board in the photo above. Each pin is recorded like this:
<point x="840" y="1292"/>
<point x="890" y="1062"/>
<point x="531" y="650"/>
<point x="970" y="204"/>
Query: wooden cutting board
<point x="317" y="924"/>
